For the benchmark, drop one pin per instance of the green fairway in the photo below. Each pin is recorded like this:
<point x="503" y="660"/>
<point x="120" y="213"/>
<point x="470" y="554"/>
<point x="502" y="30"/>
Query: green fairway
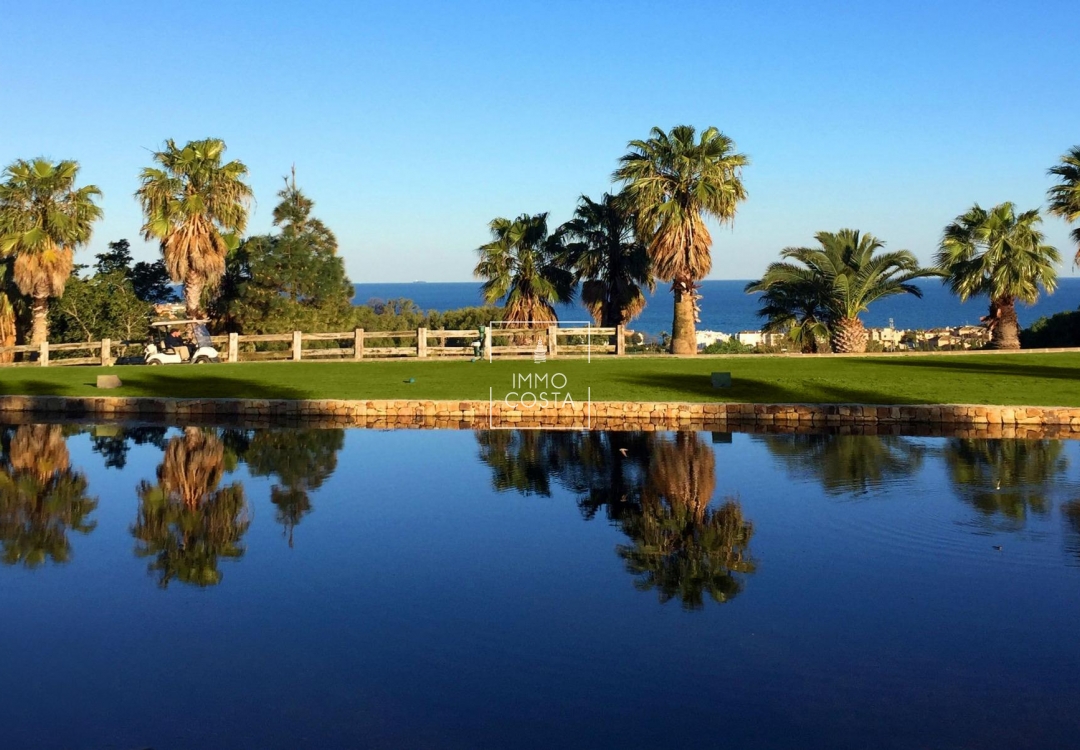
<point x="1032" y="379"/>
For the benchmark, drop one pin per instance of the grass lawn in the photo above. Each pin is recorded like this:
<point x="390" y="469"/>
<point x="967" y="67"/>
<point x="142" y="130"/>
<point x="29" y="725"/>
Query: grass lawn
<point x="1032" y="379"/>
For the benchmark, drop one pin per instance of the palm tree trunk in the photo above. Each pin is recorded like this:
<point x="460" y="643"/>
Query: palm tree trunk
<point x="40" y="330"/>
<point x="849" y="336"/>
<point x="683" y="335"/>
<point x="193" y="289"/>
<point x="1006" y="326"/>
<point x="7" y="328"/>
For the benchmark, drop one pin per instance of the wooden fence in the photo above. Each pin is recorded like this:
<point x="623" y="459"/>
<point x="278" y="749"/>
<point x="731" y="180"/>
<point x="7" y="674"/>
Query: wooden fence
<point x="355" y="345"/>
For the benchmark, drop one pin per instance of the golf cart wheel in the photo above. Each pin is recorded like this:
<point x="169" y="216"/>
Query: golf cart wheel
<point x="200" y="360"/>
<point x="154" y="363"/>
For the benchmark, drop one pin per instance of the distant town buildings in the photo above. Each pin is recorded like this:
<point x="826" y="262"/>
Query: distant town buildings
<point x="890" y="338"/>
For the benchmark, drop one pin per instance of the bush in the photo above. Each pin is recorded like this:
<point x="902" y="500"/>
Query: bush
<point x="1062" y="329"/>
<point x="731" y="346"/>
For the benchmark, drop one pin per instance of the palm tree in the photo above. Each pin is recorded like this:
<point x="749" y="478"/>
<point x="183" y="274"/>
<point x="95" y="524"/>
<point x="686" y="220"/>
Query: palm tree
<point x="1065" y="196"/>
<point x="9" y="294"/>
<point x="196" y="207"/>
<point x="840" y="279"/>
<point x="43" y="219"/>
<point x="673" y="182"/>
<point x="798" y="306"/>
<point x="609" y="261"/>
<point x="521" y="264"/>
<point x="1003" y="255"/>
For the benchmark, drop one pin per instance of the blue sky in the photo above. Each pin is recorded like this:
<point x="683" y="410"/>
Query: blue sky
<point x="413" y="124"/>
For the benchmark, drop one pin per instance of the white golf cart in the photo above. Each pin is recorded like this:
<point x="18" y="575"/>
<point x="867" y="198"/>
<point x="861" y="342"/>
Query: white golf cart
<point x="166" y="348"/>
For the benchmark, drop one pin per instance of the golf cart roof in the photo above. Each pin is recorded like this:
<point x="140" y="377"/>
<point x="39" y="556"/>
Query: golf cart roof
<point x="157" y="323"/>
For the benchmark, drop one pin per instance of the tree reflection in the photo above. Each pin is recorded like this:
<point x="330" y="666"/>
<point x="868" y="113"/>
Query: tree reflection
<point x="680" y="546"/>
<point x="1005" y="479"/>
<point x="1071" y="511"/>
<point x="114" y="441"/>
<point x="655" y="489"/>
<point x="41" y="497"/>
<point x="301" y="459"/>
<point x="186" y="523"/>
<point x="846" y="463"/>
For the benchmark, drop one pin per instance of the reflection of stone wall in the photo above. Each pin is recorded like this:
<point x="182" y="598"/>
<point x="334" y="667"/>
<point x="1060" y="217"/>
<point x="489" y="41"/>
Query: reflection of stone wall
<point x="960" y="420"/>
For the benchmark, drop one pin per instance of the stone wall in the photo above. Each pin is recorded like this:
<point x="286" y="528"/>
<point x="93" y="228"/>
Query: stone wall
<point x="1004" y="421"/>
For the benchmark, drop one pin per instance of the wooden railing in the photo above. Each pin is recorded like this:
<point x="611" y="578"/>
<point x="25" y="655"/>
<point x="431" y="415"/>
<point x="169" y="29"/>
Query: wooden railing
<point x="359" y="344"/>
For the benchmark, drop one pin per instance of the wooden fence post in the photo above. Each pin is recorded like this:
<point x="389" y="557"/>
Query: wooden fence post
<point x="553" y="340"/>
<point x="487" y="342"/>
<point x="234" y="347"/>
<point x="358" y="344"/>
<point x="620" y="340"/>
<point x="421" y="342"/>
<point x="43" y="358"/>
<point x="296" y="346"/>
<point x="106" y="352"/>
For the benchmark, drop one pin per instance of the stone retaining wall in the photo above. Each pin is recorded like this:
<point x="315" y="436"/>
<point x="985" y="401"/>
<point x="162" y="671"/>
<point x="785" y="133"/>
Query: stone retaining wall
<point x="1005" y="421"/>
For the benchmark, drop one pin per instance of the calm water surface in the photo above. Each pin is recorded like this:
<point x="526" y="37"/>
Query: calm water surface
<point x="329" y="589"/>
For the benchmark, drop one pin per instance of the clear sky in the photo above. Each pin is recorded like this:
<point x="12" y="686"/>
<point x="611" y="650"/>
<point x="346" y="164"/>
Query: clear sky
<point x="413" y="124"/>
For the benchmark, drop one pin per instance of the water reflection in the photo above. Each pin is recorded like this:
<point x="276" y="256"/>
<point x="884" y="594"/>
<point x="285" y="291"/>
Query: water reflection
<point x="846" y="463"/>
<point x="1005" y="480"/>
<point x="41" y="497"/>
<point x="302" y="460"/>
<point x="185" y="522"/>
<point x="114" y="441"/>
<point x="656" y="489"/>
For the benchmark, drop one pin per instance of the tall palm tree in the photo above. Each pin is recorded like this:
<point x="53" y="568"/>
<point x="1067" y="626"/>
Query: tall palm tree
<point x="1003" y="255"/>
<point x="1065" y="196"/>
<point x="196" y="207"/>
<point x="609" y="261"/>
<point x="521" y="265"/>
<point x="841" y="278"/>
<point x="673" y="182"/>
<point x="43" y="219"/>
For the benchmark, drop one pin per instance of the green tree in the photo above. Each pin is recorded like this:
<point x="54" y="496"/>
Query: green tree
<point x="11" y="300"/>
<point x="1065" y="196"/>
<point x="837" y="281"/>
<point x="196" y="207"/>
<point x="149" y="281"/>
<point x="44" y="217"/>
<point x="610" y="263"/>
<point x="673" y="181"/>
<point x="1003" y="255"/>
<point x="186" y="523"/>
<point x="521" y="266"/>
<point x="291" y="281"/>
<point x="41" y="498"/>
<point x="99" y="307"/>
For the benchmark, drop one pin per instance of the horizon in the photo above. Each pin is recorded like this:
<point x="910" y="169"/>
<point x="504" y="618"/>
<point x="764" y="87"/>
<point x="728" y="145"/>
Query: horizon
<point x="412" y="127"/>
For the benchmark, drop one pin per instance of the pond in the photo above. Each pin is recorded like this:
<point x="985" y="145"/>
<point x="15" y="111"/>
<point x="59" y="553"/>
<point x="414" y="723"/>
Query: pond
<point x="289" y="588"/>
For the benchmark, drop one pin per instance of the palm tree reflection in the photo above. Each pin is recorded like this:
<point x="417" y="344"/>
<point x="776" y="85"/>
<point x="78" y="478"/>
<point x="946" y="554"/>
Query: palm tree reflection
<point x="41" y="497"/>
<point x="846" y="464"/>
<point x="656" y="489"/>
<point x="185" y="523"/>
<point x="1004" y="480"/>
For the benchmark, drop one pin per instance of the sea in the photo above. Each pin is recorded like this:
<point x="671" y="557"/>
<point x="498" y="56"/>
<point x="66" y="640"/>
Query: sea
<point x="726" y="307"/>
